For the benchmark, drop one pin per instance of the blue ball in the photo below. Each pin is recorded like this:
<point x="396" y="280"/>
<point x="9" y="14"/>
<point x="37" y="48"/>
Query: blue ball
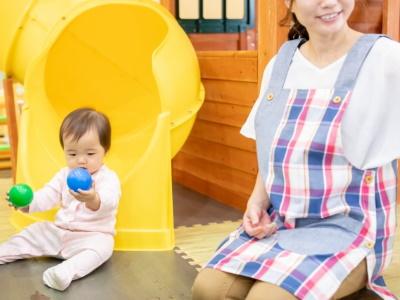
<point x="79" y="178"/>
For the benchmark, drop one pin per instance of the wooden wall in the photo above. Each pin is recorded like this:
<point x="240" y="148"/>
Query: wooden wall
<point x="216" y="160"/>
<point x="224" y="41"/>
<point x="367" y="16"/>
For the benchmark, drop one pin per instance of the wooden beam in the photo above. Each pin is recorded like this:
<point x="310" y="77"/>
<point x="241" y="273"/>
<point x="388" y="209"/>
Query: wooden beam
<point x="11" y="122"/>
<point x="270" y="34"/>
<point x="169" y="4"/>
<point x="391" y="18"/>
<point x="266" y="28"/>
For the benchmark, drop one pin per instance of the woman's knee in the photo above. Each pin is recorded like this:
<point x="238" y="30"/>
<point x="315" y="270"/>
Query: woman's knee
<point x="268" y="291"/>
<point x="201" y="286"/>
<point x="212" y="284"/>
<point x="356" y="281"/>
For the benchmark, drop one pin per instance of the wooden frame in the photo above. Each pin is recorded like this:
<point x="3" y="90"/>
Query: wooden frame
<point x="391" y="18"/>
<point x="238" y="41"/>
<point x="11" y="123"/>
<point x="269" y="14"/>
<point x="220" y="23"/>
<point x="169" y="4"/>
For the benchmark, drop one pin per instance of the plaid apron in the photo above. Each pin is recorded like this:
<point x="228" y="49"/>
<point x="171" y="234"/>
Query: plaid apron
<point x="330" y="214"/>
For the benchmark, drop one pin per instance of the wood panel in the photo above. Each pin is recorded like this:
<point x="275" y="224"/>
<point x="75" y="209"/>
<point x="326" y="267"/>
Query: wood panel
<point x="216" y="173"/>
<point x="224" y="41"/>
<point x="12" y="122"/>
<point x="231" y="92"/>
<point x="222" y="134"/>
<point x="215" y="191"/>
<point x="271" y="35"/>
<point x="217" y="160"/>
<point x="391" y="18"/>
<point x="229" y="65"/>
<point x="230" y="157"/>
<point x="215" y="41"/>
<point x="367" y="16"/>
<point x="169" y="4"/>
<point x="227" y="114"/>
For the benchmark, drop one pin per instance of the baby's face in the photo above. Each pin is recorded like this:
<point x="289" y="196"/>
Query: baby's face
<point x="86" y="153"/>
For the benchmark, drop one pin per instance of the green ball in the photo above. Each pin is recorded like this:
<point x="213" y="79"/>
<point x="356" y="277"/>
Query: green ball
<point x="20" y="195"/>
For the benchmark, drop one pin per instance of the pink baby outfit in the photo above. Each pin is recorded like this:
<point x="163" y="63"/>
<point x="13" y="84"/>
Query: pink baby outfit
<point x="83" y="237"/>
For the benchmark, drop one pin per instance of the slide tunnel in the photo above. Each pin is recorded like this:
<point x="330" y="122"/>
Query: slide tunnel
<point x="128" y="59"/>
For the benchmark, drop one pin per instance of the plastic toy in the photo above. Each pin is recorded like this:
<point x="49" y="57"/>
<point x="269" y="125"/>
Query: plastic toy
<point x="79" y="178"/>
<point x="127" y="58"/>
<point x="20" y="195"/>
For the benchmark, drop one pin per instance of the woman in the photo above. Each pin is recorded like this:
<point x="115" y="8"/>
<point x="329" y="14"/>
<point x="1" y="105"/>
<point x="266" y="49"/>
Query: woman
<point x="320" y="221"/>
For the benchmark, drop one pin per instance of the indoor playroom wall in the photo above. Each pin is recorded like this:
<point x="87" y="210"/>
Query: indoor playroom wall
<point x="216" y="160"/>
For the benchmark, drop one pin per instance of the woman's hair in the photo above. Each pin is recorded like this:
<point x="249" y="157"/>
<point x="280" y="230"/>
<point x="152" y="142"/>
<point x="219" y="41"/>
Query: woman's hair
<point x="297" y="30"/>
<point x="81" y="120"/>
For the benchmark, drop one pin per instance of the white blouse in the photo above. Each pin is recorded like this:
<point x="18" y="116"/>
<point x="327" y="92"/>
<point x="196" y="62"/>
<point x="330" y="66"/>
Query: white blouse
<point x="371" y="124"/>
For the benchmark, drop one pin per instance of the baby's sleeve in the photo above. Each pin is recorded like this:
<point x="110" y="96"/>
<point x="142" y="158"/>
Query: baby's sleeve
<point x="109" y="190"/>
<point x="48" y="196"/>
<point x="248" y="128"/>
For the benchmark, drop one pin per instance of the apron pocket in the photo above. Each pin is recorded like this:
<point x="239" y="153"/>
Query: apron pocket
<point x="322" y="236"/>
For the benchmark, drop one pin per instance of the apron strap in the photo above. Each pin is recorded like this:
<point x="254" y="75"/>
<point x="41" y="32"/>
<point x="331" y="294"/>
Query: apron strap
<point x="348" y="73"/>
<point x="353" y="63"/>
<point x="282" y="64"/>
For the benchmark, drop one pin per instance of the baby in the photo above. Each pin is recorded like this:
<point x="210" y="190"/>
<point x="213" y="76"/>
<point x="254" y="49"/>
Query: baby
<point x="83" y="232"/>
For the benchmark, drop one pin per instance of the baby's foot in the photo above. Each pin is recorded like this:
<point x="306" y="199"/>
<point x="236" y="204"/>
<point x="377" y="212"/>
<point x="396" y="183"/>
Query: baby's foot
<point x="57" y="278"/>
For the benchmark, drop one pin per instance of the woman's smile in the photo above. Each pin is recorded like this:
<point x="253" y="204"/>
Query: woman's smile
<point x="330" y="17"/>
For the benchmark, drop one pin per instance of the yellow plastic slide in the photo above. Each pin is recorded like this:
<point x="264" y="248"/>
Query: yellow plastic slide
<point x="129" y="59"/>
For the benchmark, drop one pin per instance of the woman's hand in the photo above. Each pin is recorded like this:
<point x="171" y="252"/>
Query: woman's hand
<point x="257" y="222"/>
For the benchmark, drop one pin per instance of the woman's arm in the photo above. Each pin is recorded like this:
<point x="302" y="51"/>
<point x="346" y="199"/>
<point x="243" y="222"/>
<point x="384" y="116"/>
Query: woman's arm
<point x="259" y="195"/>
<point x="256" y="221"/>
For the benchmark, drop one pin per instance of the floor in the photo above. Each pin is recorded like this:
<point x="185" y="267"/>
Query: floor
<point x="127" y="275"/>
<point x="165" y="275"/>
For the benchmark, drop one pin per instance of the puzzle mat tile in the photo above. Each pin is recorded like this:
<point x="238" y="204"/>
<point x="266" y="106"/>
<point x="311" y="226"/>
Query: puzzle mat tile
<point x="197" y="243"/>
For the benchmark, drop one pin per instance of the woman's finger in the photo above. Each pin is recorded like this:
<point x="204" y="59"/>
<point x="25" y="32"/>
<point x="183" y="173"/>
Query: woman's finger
<point x="254" y="213"/>
<point x="254" y="217"/>
<point x="266" y="231"/>
<point x="252" y="230"/>
<point x="270" y="229"/>
<point x="261" y="235"/>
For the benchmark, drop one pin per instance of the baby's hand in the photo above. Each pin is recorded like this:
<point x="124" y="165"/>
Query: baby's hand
<point x="89" y="197"/>
<point x="8" y="201"/>
<point x="84" y="195"/>
<point x="24" y="209"/>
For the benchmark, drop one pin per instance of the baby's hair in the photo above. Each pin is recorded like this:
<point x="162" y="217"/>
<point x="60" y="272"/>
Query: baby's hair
<point x="81" y="120"/>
